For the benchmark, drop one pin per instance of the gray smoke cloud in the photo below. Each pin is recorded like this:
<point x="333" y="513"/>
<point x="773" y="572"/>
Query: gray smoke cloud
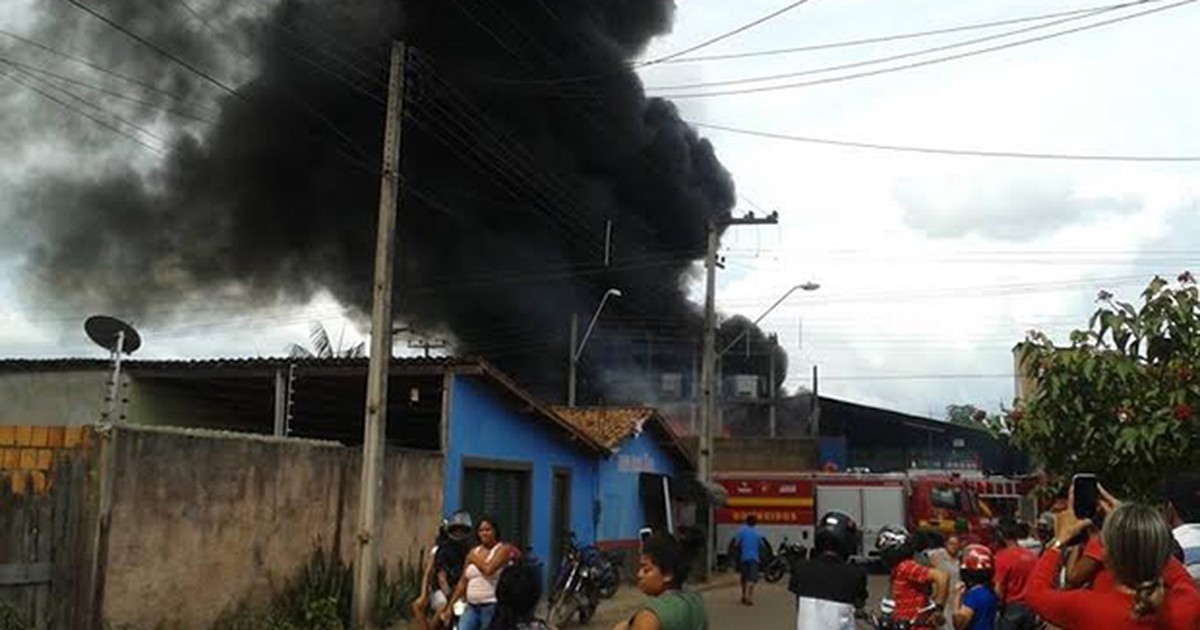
<point x="526" y="133"/>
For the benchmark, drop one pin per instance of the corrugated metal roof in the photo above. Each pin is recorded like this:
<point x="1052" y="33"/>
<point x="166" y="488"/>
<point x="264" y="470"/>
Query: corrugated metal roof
<point x="236" y="365"/>
<point x="70" y="363"/>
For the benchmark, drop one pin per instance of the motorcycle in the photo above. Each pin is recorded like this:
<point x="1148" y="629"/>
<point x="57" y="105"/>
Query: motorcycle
<point x="608" y="572"/>
<point x="782" y="561"/>
<point x="928" y="617"/>
<point x="576" y="593"/>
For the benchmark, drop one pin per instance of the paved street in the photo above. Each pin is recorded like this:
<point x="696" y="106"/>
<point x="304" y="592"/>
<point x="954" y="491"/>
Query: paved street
<point x="773" y="610"/>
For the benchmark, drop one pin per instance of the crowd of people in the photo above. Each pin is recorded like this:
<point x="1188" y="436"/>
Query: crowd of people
<point x="1131" y="566"/>
<point x="473" y="580"/>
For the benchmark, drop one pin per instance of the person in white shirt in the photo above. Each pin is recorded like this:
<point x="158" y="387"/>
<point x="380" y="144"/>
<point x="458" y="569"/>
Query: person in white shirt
<point x="1183" y="496"/>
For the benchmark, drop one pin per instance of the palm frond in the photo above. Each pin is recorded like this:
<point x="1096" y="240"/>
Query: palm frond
<point x="297" y="351"/>
<point x="320" y="341"/>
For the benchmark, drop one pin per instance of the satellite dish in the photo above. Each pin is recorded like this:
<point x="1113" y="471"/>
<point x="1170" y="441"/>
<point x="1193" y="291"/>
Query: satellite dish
<point x="112" y="334"/>
<point x="120" y="339"/>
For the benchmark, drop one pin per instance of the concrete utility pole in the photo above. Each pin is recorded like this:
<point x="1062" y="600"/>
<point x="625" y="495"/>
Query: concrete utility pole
<point x="571" y="375"/>
<point x="370" y="497"/>
<point x="708" y="366"/>
<point x="772" y="390"/>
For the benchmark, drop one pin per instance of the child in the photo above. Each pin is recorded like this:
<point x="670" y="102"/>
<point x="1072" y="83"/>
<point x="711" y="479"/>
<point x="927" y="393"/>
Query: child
<point x="975" y="603"/>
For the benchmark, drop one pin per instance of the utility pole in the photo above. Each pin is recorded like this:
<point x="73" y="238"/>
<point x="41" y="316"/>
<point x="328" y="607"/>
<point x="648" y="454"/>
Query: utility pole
<point x="708" y="366"/>
<point x="370" y="496"/>
<point x="571" y="359"/>
<point x="771" y="388"/>
<point x="815" y="415"/>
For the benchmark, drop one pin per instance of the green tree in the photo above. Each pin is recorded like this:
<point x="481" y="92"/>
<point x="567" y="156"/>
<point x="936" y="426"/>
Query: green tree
<point x="967" y="415"/>
<point x="1119" y="401"/>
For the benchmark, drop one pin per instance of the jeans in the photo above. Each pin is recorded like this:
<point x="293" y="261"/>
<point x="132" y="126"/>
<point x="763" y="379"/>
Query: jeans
<point x="1017" y="617"/>
<point x="477" y="617"/>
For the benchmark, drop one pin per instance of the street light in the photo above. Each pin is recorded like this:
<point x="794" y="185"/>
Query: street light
<point x="577" y="349"/>
<point x="807" y="286"/>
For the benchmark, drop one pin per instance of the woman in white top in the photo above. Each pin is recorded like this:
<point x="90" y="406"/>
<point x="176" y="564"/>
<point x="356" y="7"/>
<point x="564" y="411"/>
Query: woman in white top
<point x="478" y="582"/>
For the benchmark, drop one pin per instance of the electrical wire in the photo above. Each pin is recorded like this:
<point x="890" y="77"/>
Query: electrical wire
<point x="103" y="123"/>
<point x="885" y="59"/>
<point x="928" y="62"/>
<point x="1024" y="155"/>
<point x="155" y="47"/>
<point x="30" y="69"/>
<point x="723" y="36"/>
<point x="899" y="36"/>
<point x="108" y="71"/>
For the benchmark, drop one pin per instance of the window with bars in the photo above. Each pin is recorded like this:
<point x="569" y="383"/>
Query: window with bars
<point x="501" y="493"/>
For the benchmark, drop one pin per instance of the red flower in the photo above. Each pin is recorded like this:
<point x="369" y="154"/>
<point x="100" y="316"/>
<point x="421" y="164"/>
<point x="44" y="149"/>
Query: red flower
<point x="1185" y="373"/>
<point x="1183" y="411"/>
<point x="1016" y="415"/>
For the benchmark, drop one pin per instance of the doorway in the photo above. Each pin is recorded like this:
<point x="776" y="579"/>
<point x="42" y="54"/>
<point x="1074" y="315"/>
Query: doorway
<point x="560" y="515"/>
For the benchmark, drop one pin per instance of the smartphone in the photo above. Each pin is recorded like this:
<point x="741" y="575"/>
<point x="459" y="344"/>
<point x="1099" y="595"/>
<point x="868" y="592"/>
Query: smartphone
<point x="1087" y="495"/>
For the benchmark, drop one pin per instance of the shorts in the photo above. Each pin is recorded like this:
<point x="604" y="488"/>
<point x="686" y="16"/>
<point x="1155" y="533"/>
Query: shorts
<point x="749" y="570"/>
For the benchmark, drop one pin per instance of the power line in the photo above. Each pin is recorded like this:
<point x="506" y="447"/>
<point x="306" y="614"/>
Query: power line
<point x="550" y="81"/>
<point x="99" y="68"/>
<point x="928" y="62"/>
<point x="885" y="59"/>
<point x="155" y="47"/>
<point x="103" y="123"/>
<point x="27" y="69"/>
<point x="723" y="36"/>
<point x="950" y="151"/>
<point x="899" y="36"/>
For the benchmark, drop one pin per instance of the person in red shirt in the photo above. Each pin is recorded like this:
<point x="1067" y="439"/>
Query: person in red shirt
<point x="1088" y="570"/>
<point x="1152" y="589"/>
<point x="911" y="581"/>
<point x="1014" y="565"/>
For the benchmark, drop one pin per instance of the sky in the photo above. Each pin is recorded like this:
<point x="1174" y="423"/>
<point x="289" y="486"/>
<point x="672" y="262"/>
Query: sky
<point x="931" y="266"/>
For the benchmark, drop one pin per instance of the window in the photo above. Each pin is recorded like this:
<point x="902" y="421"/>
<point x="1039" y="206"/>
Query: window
<point x="945" y="497"/>
<point x="503" y="494"/>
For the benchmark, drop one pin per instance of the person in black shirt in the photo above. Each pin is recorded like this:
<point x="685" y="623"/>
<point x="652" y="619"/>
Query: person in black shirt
<point x="829" y="591"/>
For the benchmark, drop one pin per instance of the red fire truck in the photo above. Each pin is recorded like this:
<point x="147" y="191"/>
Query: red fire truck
<point x="787" y="504"/>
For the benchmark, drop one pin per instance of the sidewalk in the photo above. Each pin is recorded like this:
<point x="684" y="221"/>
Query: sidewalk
<point x="629" y="599"/>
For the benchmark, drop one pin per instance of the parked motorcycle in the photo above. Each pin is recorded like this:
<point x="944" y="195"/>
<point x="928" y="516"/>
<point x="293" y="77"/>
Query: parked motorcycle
<point x="928" y="617"/>
<point x="608" y="572"/>
<point x="782" y="560"/>
<point x="576" y="593"/>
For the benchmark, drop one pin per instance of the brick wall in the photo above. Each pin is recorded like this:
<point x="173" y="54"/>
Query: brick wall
<point x="28" y="454"/>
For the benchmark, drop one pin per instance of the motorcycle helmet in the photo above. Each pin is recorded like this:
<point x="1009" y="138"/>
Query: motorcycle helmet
<point x="461" y="525"/>
<point x="977" y="566"/>
<point x="894" y="545"/>
<point x="837" y="533"/>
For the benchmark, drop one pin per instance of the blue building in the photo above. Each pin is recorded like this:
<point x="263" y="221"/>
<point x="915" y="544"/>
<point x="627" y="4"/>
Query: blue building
<point x="645" y="481"/>
<point x="516" y="460"/>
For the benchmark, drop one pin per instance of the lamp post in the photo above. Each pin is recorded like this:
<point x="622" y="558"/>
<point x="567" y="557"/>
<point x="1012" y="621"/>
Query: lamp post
<point x="709" y="402"/>
<point x="807" y="286"/>
<point x="578" y="345"/>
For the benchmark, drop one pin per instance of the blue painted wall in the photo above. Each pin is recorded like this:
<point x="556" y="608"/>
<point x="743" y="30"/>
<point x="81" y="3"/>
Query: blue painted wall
<point x="621" y="511"/>
<point x="485" y="423"/>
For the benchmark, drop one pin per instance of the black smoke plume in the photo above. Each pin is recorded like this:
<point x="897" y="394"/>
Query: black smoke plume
<point x="526" y="135"/>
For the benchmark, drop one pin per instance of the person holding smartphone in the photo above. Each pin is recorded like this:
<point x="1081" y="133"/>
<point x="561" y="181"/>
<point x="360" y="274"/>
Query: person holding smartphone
<point x="1085" y="566"/>
<point x="1151" y="588"/>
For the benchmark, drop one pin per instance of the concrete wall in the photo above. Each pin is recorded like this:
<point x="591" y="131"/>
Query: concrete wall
<point x="52" y="398"/>
<point x="764" y="455"/>
<point x="486" y="424"/>
<point x="622" y="512"/>
<point x="202" y="521"/>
